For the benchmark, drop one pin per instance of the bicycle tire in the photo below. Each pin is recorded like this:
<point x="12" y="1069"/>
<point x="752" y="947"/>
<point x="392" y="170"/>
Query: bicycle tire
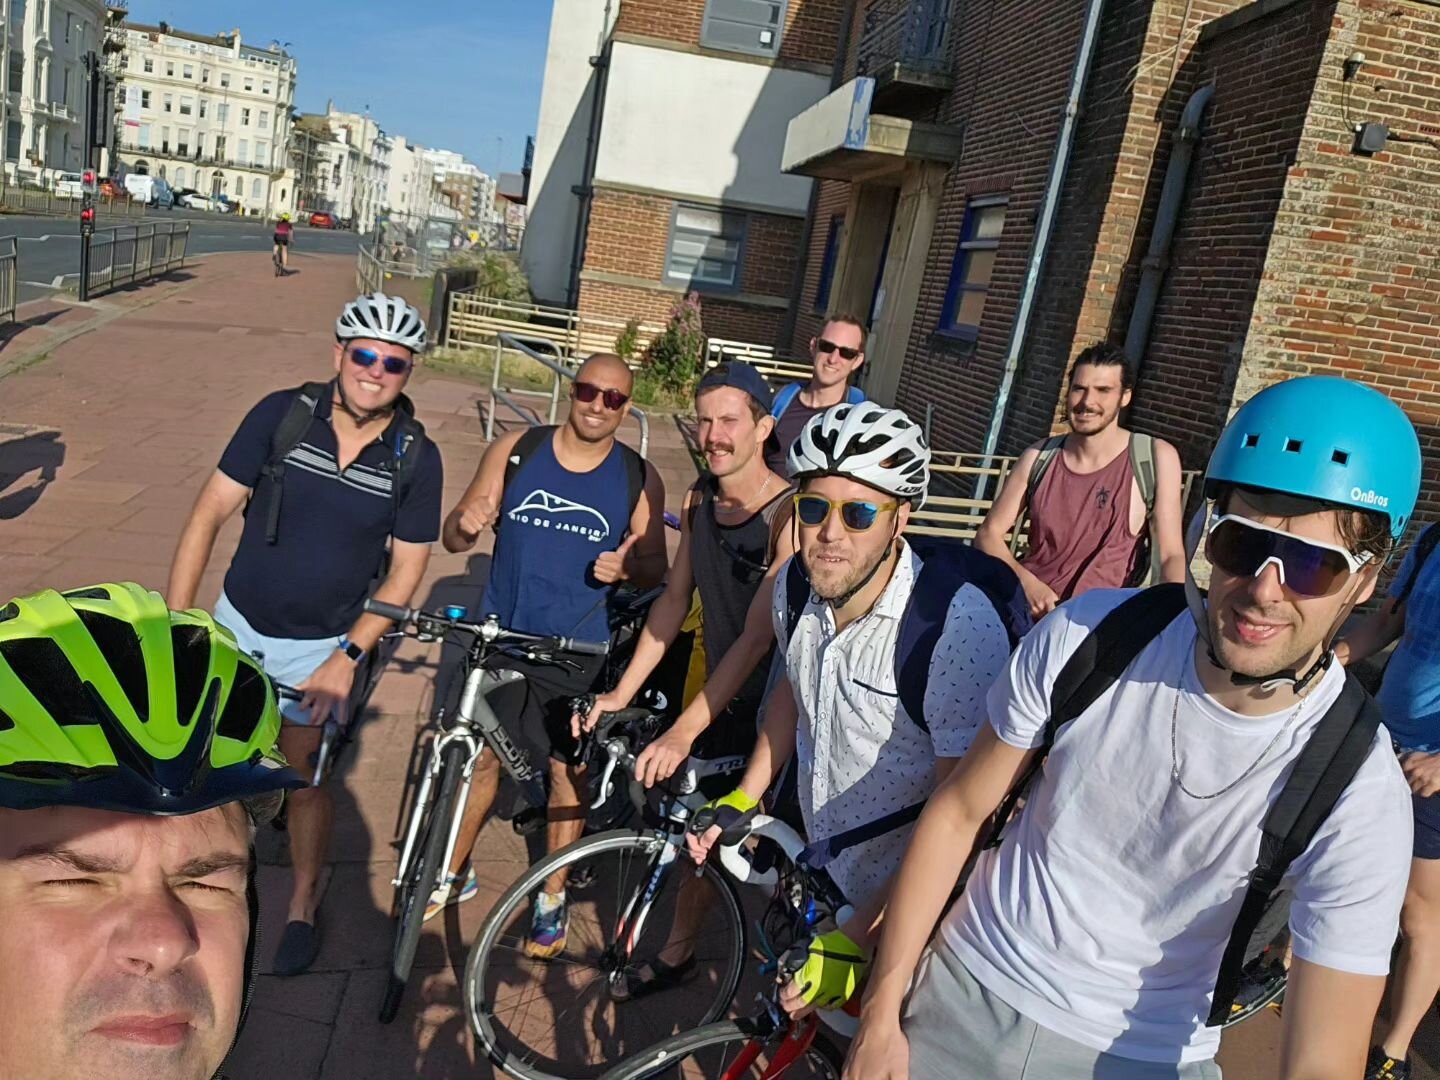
<point x="412" y="895"/>
<point x="491" y="955"/>
<point x="674" y="1058"/>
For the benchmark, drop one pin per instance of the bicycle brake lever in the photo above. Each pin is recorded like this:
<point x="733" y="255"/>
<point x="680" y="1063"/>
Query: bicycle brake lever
<point x="605" y="783"/>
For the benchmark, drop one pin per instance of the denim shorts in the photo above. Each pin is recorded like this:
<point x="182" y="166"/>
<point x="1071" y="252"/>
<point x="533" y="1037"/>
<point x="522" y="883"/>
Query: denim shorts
<point x="286" y="660"/>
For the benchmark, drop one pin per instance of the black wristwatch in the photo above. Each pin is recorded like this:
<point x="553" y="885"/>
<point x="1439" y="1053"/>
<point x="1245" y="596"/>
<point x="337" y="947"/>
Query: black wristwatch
<point x="350" y="649"/>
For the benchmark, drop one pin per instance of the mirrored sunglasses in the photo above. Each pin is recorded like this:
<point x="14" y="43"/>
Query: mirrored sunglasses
<point x="394" y="365"/>
<point x="855" y="514"/>
<point x="1243" y="548"/>
<point x="586" y="392"/>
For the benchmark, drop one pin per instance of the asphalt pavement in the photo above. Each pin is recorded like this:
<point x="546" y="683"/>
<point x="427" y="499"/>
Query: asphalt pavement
<point x="50" y="246"/>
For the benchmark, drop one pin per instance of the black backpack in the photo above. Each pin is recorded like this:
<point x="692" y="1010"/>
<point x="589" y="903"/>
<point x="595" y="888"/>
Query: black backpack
<point x="535" y="437"/>
<point x="407" y="440"/>
<point x="1424" y="548"/>
<point x="1329" y="761"/>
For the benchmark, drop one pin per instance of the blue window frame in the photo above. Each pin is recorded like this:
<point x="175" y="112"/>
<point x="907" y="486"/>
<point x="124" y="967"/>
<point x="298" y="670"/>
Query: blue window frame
<point x="973" y="267"/>
<point x="827" y="262"/>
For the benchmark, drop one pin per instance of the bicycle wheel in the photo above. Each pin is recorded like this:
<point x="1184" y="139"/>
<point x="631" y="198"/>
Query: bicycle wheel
<point x="559" y="1019"/>
<point x="425" y="869"/>
<point x="729" y="1050"/>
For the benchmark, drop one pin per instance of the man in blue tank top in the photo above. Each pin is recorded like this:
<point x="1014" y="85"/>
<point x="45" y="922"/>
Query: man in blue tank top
<point x="566" y="531"/>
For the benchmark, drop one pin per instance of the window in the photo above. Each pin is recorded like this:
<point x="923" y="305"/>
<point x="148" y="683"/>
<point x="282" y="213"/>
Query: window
<point x="169" y="69"/>
<point x="973" y="266"/>
<point x="187" y="71"/>
<point x="262" y="154"/>
<point x="68" y="20"/>
<point x="142" y="138"/>
<point x="744" y="26"/>
<point x="242" y="153"/>
<point x="149" y="64"/>
<point x="145" y="99"/>
<point x="180" y="176"/>
<point x="255" y="188"/>
<point x="164" y="140"/>
<point x="249" y="84"/>
<point x="224" y="78"/>
<point x="265" y="88"/>
<point x="161" y="172"/>
<point x="13" y="131"/>
<point x="244" y="117"/>
<point x="827" y="262"/>
<point x="204" y="106"/>
<point x="239" y="186"/>
<point x="264" y="120"/>
<point x="17" y="68"/>
<point x="705" y="247"/>
<point x="65" y="87"/>
<point x="182" y="142"/>
<point x="167" y="102"/>
<point x="204" y="74"/>
<point x="187" y="106"/>
<point x="222" y="112"/>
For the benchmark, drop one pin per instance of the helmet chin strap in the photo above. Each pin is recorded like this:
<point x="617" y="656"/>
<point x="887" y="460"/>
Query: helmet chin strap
<point x="359" y="416"/>
<point x="1297" y="681"/>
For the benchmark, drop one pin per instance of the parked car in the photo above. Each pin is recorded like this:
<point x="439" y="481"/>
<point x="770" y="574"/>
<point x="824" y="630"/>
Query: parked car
<point x="321" y="220"/>
<point x="69" y="185"/>
<point x="152" y="190"/>
<point x="191" y="199"/>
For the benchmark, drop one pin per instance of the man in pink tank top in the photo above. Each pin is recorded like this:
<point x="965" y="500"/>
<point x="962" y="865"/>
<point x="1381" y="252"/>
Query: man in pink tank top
<point x="1087" y="515"/>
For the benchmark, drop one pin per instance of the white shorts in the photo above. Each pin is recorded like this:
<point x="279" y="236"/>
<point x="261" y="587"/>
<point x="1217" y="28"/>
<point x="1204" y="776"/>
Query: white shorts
<point x="286" y="660"/>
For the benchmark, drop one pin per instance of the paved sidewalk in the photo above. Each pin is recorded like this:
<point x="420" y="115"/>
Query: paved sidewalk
<point x="103" y="446"/>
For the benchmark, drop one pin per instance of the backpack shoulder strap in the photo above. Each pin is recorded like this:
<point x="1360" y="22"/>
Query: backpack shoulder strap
<point x="1093" y="668"/>
<point x="783" y="399"/>
<point x="1142" y="463"/>
<point x="1424" y="548"/>
<point x="797" y="595"/>
<point x="285" y="438"/>
<point x="854" y="395"/>
<point x="1328" y="763"/>
<point x="407" y="443"/>
<point x="1048" y="449"/>
<point x="634" y="466"/>
<point x="524" y="447"/>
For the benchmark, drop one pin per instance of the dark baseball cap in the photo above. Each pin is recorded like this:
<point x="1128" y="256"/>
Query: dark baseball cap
<point x="741" y="376"/>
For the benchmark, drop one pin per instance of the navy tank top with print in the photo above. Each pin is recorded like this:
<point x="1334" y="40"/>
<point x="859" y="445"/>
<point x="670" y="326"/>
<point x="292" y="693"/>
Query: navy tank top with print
<point x="553" y="524"/>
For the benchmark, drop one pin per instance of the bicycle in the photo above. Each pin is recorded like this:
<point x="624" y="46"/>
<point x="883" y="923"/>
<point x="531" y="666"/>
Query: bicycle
<point x="279" y="262"/>
<point x="561" y="1019"/>
<point x="434" y="821"/>
<point x="767" y="1044"/>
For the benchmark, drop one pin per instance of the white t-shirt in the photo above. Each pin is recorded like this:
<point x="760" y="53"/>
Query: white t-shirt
<point x="1104" y="913"/>
<point x="859" y="755"/>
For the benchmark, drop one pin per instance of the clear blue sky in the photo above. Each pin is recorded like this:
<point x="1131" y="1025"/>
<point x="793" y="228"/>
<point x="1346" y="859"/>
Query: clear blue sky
<point x="457" y="74"/>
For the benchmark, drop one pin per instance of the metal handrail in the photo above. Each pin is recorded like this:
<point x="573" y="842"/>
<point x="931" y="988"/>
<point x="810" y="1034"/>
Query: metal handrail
<point x="518" y="343"/>
<point x="9" y="275"/>
<point x="130" y="253"/>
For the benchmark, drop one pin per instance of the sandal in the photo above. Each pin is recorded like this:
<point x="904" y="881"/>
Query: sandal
<point x="652" y="978"/>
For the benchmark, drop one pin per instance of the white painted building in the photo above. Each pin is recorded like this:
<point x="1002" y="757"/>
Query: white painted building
<point x="211" y="113"/>
<point x="43" y="105"/>
<point x="366" y="176"/>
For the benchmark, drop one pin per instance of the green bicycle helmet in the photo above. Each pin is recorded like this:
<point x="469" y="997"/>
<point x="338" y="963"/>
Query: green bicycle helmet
<point x="110" y="700"/>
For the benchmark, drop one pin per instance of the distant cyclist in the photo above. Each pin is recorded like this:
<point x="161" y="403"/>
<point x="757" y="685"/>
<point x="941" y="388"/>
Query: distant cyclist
<point x="836" y="354"/>
<point x="862" y="759"/>
<point x="284" y="232"/>
<point x="575" y="512"/>
<point x="1089" y="943"/>
<point x="136" y="755"/>
<point x="330" y="475"/>
<point x="734" y="534"/>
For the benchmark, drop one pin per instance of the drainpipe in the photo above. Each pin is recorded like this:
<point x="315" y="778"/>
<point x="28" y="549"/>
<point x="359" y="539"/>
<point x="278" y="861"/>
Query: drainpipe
<point x="1045" y="223"/>
<point x="585" y="190"/>
<point x="797" y="283"/>
<point x="1172" y="196"/>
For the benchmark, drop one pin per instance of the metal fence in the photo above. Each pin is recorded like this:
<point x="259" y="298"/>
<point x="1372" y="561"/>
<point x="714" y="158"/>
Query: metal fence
<point x="28" y="200"/>
<point x="130" y="253"/>
<point x="416" y="246"/>
<point x="9" y="275"/>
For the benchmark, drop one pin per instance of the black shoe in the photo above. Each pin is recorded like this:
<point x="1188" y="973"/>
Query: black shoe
<point x="1381" y="1066"/>
<point x="299" y="946"/>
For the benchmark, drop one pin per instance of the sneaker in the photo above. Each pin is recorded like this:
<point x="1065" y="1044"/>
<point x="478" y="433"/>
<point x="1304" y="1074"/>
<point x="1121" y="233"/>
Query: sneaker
<point x="454" y="890"/>
<point x="549" y="920"/>
<point x="1381" y="1066"/>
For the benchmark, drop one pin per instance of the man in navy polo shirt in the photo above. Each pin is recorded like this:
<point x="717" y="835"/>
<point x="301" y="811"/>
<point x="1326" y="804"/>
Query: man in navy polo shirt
<point x="323" y="517"/>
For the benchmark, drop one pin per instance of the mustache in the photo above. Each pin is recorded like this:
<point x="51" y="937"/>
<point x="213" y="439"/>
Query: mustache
<point x="719" y="448"/>
<point x="130" y="995"/>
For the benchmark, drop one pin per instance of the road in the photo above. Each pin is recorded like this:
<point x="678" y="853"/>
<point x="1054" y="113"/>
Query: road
<point x="50" y="246"/>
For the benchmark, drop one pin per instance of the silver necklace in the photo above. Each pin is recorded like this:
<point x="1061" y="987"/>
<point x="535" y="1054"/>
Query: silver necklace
<point x="1175" y="753"/>
<point x="753" y="498"/>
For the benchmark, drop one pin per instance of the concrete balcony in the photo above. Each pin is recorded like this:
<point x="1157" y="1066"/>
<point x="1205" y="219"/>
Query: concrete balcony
<point x="903" y="48"/>
<point x="841" y="137"/>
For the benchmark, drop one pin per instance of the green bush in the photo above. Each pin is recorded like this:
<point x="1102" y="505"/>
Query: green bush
<point x="499" y="273"/>
<point x="673" y="361"/>
<point x="627" y="342"/>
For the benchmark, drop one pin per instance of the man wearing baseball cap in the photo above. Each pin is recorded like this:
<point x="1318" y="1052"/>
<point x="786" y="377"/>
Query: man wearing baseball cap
<point x="733" y="537"/>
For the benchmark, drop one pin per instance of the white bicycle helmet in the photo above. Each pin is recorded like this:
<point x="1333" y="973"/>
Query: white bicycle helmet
<point x="866" y="442"/>
<point x="383" y="318"/>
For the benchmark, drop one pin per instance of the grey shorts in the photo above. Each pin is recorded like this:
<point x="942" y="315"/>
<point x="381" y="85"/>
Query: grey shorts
<point x="958" y="1028"/>
<point x="287" y="660"/>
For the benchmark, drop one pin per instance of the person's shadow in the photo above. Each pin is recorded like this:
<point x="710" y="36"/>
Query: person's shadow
<point x="39" y="453"/>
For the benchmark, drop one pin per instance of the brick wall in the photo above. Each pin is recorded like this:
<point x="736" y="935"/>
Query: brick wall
<point x="833" y="198"/>
<point x="628" y="235"/>
<point x="1352" y="282"/>
<point x="809" y="36"/>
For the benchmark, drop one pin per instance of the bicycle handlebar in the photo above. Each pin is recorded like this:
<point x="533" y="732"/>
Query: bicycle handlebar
<point x="490" y="631"/>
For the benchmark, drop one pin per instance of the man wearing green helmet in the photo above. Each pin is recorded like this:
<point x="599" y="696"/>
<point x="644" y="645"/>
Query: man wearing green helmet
<point x="137" y="750"/>
<point x="1103" y="936"/>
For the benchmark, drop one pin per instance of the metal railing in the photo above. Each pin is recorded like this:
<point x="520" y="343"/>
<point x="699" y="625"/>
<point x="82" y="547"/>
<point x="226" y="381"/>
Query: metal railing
<point x="28" y="200"/>
<point x="531" y="347"/>
<point x="9" y="275"/>
<point x="130" y="253"/>
<point x="908" y="34"/>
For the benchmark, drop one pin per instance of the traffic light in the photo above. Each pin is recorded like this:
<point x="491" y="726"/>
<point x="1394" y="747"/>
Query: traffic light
<point x="87" y="216"/>
<point x="89" y="182"/>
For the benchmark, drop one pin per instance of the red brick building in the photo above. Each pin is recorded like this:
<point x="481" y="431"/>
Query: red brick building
<point x="1292" y="249"/>
<point x="657" y="164"/>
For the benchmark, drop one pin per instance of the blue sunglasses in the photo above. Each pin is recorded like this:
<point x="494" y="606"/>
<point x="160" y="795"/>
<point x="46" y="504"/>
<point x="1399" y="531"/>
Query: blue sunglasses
<point x="394" y="365"/>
